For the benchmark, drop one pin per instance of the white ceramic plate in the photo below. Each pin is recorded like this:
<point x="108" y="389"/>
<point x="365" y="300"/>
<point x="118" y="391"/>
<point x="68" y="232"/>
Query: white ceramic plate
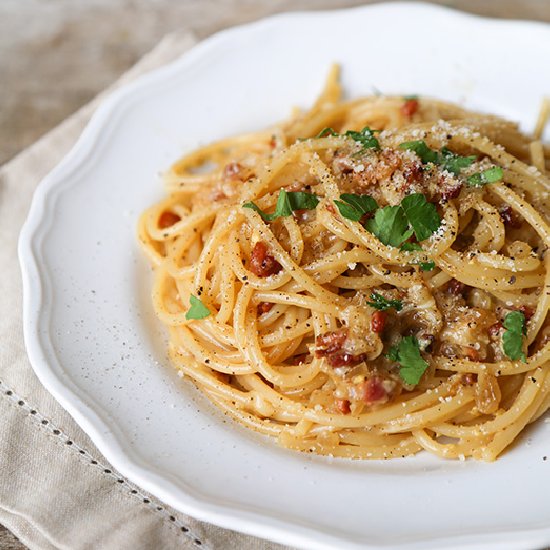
<point x="95" y="344"/>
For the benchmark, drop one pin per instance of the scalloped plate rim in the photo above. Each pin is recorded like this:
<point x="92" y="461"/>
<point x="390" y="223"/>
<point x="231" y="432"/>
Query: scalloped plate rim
<point x="35" y="286"/>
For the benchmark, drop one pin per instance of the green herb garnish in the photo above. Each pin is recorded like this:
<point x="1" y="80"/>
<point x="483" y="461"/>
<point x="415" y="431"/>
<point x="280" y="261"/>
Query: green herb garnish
<point x="491" y="175"/>
<point x="512" y="339"/>
<point x="421" y="215"/>
<point x="454" y="163"/>
<point x="197" y="310"/>
<point x="287" y="202"/>
<point x="381" y="303"/>
<point x="410" y="247"/>
<point x="422" y="150"/>
<point x="327" y="132"/>
<point x="427" y="266"/>
<point x="407" y="354"/>
<point x="365" y="137"/>
<point x="445" y="158"/>
<point x="354" y="207"/>
<point x="393" y="225"/>
<point x="390" y="225"/>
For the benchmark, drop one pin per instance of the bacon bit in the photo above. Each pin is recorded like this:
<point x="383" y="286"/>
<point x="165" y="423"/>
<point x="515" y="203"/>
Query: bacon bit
<point x="389" y="162"/>
<point x="372" y="390"/>
<point x="471" y="353"/>
<point x="378" y="321"/>
<point x="344" y="359"/>
<point x="409" y="107"/>
<point x="509" y="217"/>
<point x="468" y="378"/>
<point x="343" y="405"/>
<point x="527" y="311"/>
<point x="263" y="264"/>
<point x="330" y="208"/>
<point x="413" y="172"/>
<point x="330" y="342"/>
<point x="232" y="171"/>
<point x="451" y="192"/>
<point x="168" y="219"/>
<point x="454" y="287"/>
<point x="495" y="329"/>
<point x="264" y="307"/>
<point x="392" y="161"/>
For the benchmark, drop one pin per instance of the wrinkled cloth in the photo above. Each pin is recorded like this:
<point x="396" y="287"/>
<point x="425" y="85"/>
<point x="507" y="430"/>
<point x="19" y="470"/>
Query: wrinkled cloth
<point x="56" y="489"/>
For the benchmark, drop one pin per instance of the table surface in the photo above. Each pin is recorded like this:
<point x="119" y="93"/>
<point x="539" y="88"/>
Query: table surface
<point x="56" y="56"/>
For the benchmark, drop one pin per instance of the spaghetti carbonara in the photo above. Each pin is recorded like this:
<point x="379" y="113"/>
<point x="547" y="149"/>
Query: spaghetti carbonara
<point x="366" y="280"/>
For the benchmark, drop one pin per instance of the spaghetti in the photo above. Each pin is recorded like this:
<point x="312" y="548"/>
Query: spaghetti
<point x="366" y="280"/>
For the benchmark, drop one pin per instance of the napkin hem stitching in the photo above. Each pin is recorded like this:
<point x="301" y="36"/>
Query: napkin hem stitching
<point x="43" y="422"/>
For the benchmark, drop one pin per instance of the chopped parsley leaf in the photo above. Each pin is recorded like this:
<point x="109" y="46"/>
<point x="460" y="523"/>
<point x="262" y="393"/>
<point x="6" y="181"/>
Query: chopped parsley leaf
<point x="381" y="303"/>
<point x="197" y="310"/>
<point x="365" y="137"/>
<point x="454" y="163"/>
<point x="393" y="225"/>
<point x="421" y="215"/>
<point x="393" y="354"/>
<point x="445" y="158"/>
<point x="390" y="225"/>
<point x="300" y="200"/>
<point x="287" y="202"/>
<point x="512" y="339"/>
<point x="421" y="149"/>
<point x="407" y="354"/>
<point x="354" y="207"/>
<point x="326" y="132"/>
<point x="491" y="175"/>
<point x="427" y="266"/>
<point x="410" y="247"/>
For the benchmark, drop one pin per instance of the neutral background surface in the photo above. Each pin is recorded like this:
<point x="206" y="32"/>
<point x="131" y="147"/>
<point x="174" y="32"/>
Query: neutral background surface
<point x="56" y="55"/>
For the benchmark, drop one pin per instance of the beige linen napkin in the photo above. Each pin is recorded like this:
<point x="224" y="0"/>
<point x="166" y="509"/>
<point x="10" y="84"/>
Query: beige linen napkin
<point x="56" y="490"/>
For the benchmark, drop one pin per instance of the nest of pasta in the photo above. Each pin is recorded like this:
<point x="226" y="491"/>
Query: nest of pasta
<point x="368" y="279"/>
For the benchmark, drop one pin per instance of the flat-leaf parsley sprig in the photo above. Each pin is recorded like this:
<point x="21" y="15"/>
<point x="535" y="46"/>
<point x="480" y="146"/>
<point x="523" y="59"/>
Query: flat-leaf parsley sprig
<point x="411" y="364"/>
<point x="491" y="175"/>
<point x="446" y="159"/>
<point x="354" y="207"/>
<point x="287" y="202"/>
<point x="453" y="163"/>
<point x="390" y="226"/>
<point x="365" y="137"/>
<point x="393" y="225"/>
